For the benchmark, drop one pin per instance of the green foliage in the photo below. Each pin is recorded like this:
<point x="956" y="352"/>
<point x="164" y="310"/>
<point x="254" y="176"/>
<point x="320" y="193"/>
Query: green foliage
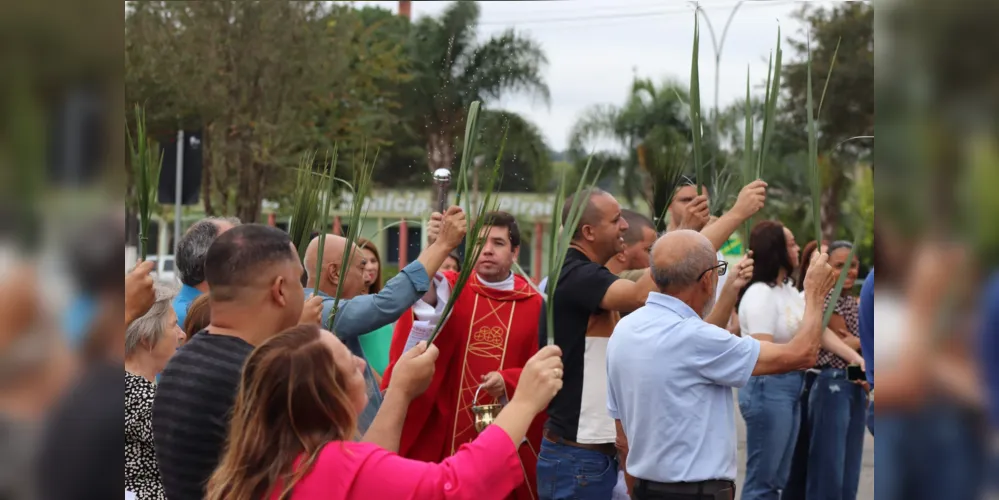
<point x="306" y="208"/>
<point x="814" y="178"/>
<point x="452" y="69"/>
<point x="327" y="185"/>
<point x="525" y="161"/>
<point x="654" y="127"/>
<point x="147" y="160"/>
<point x="560" y="240"/>
<point x="360" y="188"/>
<point x="265" y="81"/>
<point x="842" y="36"/>
<point x="473" y="237"/>
<point x="859" y="206"/>
<point x="695" y="108"/>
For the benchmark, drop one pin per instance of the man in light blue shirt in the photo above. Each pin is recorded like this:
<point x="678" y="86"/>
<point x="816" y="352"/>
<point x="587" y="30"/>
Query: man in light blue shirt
<point x="190" y="261"/>
<point x="358" y="314"/>
<point x="670" y="373"/>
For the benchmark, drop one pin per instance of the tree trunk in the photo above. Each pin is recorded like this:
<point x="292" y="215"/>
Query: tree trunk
<point x="249" y="186"/>
<point x="206" y="170"/>
<point x="440" y="152"/>
<point x="250" y="196"/>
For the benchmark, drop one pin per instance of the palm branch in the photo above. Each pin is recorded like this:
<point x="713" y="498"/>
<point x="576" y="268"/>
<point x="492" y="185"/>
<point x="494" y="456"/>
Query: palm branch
<point x="473" y="244"/>
<point x="147" y="161"/>
<point x="560" y="240"/>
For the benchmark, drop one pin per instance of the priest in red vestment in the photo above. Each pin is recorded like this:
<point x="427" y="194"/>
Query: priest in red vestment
<point x="491" y="333"/>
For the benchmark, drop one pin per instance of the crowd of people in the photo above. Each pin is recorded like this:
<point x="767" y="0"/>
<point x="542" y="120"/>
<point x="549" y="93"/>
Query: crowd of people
<point x="269" y="377"/>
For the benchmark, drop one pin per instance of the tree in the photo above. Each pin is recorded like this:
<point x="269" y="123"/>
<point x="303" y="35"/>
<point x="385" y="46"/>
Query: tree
<point x="265" y="81"/>
<point x="848" y="109"/>
<point x="525" y="163"/>
<point x="653" y="127"/>
<point x="451" y="69"/>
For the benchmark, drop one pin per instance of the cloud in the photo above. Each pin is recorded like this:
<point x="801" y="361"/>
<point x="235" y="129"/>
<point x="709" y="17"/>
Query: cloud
<point x="595" y="48"/>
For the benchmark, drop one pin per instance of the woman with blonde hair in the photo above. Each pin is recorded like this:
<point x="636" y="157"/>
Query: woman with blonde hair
<point x="375" y="344"/>
<point x="293" y="429"/>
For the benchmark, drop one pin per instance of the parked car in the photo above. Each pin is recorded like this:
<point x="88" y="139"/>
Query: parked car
<point x="165" y="272"/>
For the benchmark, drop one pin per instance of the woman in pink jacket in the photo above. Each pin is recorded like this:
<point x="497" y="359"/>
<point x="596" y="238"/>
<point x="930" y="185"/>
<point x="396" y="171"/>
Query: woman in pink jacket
<point x="293" y="429"/>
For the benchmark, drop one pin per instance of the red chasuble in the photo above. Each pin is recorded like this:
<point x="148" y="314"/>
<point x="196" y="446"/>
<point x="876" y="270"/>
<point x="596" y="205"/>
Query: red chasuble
<point x="488" y="330"/>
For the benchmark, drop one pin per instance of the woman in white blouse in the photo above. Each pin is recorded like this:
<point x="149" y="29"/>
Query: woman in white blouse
<point x="770" y="309"/>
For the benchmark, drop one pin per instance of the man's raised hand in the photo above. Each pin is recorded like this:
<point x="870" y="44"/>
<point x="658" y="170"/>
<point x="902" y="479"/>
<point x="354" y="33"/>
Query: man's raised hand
<point x="312" y="311"/>
<point x="751" y="199"/>
<point x="140" y="291"/>
<point x="454" y="227"/>
<point x="696" y="214"/>
<point x="540" y="379"/>
<point x="434" y="227"/>
<point x="743" y="271"/>
<point x="414" y="370"/>
<point x="821" y="277"/>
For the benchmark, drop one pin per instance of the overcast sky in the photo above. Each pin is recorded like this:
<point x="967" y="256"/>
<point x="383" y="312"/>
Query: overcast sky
<point x="595" y="47"/>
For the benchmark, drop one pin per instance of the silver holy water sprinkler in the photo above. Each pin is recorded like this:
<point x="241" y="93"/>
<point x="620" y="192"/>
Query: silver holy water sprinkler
<point x="442" y="179"/>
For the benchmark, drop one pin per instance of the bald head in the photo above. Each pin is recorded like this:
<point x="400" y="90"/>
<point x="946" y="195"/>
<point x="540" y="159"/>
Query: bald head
<point x="332" y="252"/>
<point x="591" y="212"/>
<point x="329" y="277"/>
<point x="679" y="258"/>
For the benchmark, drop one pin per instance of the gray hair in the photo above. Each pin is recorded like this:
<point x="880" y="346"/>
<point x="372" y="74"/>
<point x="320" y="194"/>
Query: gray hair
<point x="149" y="329"/>
<point x="193" y="247"/>
<point x="682" y="273"/>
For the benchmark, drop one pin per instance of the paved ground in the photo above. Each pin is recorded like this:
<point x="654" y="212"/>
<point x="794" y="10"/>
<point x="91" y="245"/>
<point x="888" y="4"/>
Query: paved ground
<point x="866" y="491"/>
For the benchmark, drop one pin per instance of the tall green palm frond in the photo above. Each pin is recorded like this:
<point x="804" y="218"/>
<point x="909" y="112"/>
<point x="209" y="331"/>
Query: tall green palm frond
<point x="695" y="107"/>
<point x="563" y="229"/>
<point x="147" y="161"/>
<point x="747" y="151"/>
<point x="673" y="162"/>
<point x="327" y="186"/>
<point x="360" y="189"/>
<point x="305" y="211"/>
<point x="815" y="178"/>
<point x="489" y="203"/>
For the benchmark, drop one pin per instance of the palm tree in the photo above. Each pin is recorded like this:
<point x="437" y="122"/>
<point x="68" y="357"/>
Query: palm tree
<point x="451" y="69"/>
<point x="653" y="127"/>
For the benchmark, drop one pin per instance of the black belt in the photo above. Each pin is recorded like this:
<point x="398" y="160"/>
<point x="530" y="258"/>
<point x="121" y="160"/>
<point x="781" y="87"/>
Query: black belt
<point x="605" y="448"/>
<point x="706" y="488"/>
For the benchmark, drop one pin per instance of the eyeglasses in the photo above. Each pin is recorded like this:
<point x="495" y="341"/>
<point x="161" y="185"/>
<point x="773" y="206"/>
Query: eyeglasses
<point x="721" y="266"/>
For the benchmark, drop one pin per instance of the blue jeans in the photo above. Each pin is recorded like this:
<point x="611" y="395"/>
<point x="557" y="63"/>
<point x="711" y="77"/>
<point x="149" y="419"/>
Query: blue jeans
<point x="771" y="407"/>
<point x="930" y="453"/>
<point x="837" y="413"/>
<point x="567" y="472"/>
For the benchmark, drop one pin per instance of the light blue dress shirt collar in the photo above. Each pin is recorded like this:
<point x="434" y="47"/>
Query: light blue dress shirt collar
<point x="672" y="303"/>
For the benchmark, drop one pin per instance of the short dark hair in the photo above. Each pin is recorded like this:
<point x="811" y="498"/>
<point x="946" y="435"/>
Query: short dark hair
<point x="769" y="246"/>
<point x="589" y="217"/>
<point x="193" y="247"/>
<point x="239" y="254"/>
<point x="636" y="225"/>
<point x="504" y="219"/>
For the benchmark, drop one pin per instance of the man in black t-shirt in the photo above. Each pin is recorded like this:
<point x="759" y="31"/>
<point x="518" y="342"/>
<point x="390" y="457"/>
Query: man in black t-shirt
<point x="577" y="458"/>
<point x="578" y="455"/>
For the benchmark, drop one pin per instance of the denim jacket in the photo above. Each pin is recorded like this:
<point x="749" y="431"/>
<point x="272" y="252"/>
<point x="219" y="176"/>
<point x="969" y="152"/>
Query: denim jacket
<point x="367" y="313"/>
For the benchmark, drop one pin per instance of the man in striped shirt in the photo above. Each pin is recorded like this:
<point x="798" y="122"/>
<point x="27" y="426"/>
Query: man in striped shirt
<point x="254" y="278"/>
